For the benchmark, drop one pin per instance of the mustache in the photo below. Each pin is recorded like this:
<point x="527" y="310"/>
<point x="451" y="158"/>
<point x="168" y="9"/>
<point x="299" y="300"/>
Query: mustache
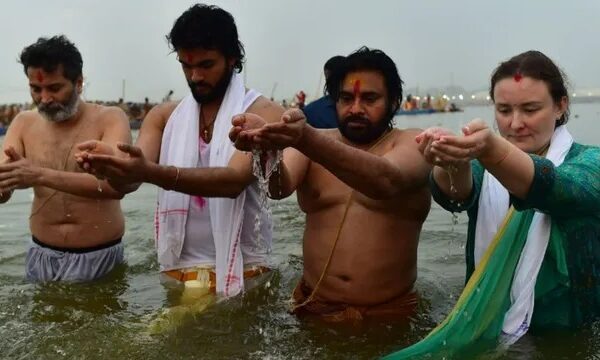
<point x="51" y="107"/>
<point x="199" y="84"/>
<point x="357" y="119"/>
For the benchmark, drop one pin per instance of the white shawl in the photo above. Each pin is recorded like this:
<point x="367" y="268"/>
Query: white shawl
<point x="493" y="207"/>
<point x="179" y="148"/>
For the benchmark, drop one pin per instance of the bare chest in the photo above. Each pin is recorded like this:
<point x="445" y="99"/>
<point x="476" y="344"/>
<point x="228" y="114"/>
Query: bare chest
<point x="321" y="189"/>
<point x="55" y="148"/>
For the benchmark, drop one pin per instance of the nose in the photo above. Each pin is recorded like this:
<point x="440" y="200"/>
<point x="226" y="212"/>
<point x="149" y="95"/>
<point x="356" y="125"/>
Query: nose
<point x="356" y="107"/>
<point x="46" y="97"/>
<point x="197" y="75"/>
<point x="517" y="120"/>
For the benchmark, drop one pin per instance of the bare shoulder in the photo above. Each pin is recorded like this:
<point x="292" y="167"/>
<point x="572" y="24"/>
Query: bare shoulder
<point x="110" y="114"/>
<point x="405" y="137"/>
<point x="159" y="114"/>
<point x="24" y="120"/>
<point x="267" y="109"/>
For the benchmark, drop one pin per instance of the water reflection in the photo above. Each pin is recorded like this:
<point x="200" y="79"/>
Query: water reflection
<point x="108" y="318"/>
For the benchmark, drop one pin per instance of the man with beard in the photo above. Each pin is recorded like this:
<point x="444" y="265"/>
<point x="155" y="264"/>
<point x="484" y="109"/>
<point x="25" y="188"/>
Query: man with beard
<point x="76" y="220"/>
<point x="209" y="245"/>
<point x="363" y="188"/>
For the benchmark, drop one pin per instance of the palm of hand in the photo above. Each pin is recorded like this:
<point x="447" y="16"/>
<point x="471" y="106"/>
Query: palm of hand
<point x="247" y="127"/>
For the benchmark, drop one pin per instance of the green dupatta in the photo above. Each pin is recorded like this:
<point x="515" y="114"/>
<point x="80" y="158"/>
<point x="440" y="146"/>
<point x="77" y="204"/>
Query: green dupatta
<point x="479" y="313"/>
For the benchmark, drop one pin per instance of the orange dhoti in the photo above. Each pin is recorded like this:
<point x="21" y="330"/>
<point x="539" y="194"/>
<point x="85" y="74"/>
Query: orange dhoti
<point x="401" y="307"/>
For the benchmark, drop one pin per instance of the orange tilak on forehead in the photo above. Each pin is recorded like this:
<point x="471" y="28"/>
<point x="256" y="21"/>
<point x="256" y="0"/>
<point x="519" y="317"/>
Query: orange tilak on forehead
<point x="356" y="87"/>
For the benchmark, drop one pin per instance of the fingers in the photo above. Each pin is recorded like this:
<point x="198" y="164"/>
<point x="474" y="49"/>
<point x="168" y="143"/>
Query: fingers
<point x="461" y="153"/>
<point x="99" y="160"/>
<point x="474" y="126"/>
<point x="234" y="133"/>
<point x="12" y="153"/>
<point x="279" y="141"/>
<point x="238" y="120"/>
<point x="444" y="159"/>
<point x="130" y="149"/>
<point x="292" y="115"/>
<point x="9" y="183"/>
<point x="87" y="145"/>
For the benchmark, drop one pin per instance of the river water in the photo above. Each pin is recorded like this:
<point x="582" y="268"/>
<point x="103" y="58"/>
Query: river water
<point x="109" y="318"/>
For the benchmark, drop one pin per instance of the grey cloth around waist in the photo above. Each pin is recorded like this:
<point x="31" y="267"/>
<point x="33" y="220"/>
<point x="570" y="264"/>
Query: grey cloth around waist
<point x="51" y="264"/>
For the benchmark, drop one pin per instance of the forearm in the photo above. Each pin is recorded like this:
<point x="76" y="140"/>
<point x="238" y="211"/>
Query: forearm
<point x="124" y="188"/>
<point x="511" y="166"/>
<point x="79" y="184"/>
<point x="369" y="174"/>
<point x="208" y="182"/>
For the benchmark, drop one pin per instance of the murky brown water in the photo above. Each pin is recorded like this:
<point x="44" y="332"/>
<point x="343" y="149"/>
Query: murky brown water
<point x="109" y="318"/>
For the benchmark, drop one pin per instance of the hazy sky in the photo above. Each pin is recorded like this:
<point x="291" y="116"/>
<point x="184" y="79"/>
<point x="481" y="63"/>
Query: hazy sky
<point x="287" y="42"/>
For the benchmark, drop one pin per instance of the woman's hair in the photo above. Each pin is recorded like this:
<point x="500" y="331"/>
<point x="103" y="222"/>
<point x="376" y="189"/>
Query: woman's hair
<point x="536" y="65"/>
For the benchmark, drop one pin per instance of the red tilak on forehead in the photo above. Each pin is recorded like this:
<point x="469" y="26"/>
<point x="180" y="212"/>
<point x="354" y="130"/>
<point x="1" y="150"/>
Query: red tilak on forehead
<point x="39" y="76"/>
<point x="518" y="77"/>
<point x="356" y="87"/>
<point x="188" y="58"/>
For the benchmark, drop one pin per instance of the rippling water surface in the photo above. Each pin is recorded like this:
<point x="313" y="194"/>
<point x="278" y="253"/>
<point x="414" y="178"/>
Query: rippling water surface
<point x="109" y="318"/>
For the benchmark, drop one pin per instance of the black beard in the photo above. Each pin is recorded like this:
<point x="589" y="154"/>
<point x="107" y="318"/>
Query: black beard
<point x="367" y="135"/>
<point x="217" y="91"/>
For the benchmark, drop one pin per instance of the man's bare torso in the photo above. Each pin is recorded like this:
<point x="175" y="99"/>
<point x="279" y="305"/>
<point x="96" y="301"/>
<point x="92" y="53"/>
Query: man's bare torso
<point x="375" y="256"/>
<point x="57" y="218"/>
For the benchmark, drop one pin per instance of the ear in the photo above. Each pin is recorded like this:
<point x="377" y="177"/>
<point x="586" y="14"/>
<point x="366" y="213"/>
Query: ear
<point x="231" y="63"/>
<point x="562" y="106"/>
<point x="79" y="84"/>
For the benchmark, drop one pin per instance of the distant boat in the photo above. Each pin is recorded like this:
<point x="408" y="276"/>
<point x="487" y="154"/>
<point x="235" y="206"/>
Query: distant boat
<point x="425" y="111"/>
<point x="415" y="112"/>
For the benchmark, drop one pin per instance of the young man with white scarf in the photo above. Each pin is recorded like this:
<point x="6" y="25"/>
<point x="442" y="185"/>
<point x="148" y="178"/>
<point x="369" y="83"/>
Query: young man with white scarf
<point x="533" y="199"/>
<point x="184" y="149"/>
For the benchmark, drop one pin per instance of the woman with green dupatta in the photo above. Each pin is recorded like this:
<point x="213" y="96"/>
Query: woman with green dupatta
<point x="532" y="195"/>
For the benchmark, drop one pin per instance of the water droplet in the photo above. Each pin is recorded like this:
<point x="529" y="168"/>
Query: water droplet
<point x="68" y="215"/>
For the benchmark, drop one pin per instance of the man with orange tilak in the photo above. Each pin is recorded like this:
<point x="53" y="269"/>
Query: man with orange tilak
<point x="208" y="204"/>
<point x="76" y="220"/>
<point x="363" y="188"/>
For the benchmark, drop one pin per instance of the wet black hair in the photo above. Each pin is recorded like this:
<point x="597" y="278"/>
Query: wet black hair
<point x="49" y="53"/>
<point x="368" y="59"/>
<point x="207" y="27"/>
<point x="333" y="62"/>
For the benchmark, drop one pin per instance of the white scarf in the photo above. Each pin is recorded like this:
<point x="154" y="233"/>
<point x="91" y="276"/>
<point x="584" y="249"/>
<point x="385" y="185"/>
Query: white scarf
<point x="179" y="144"/>
<point x="493" y="207"/>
